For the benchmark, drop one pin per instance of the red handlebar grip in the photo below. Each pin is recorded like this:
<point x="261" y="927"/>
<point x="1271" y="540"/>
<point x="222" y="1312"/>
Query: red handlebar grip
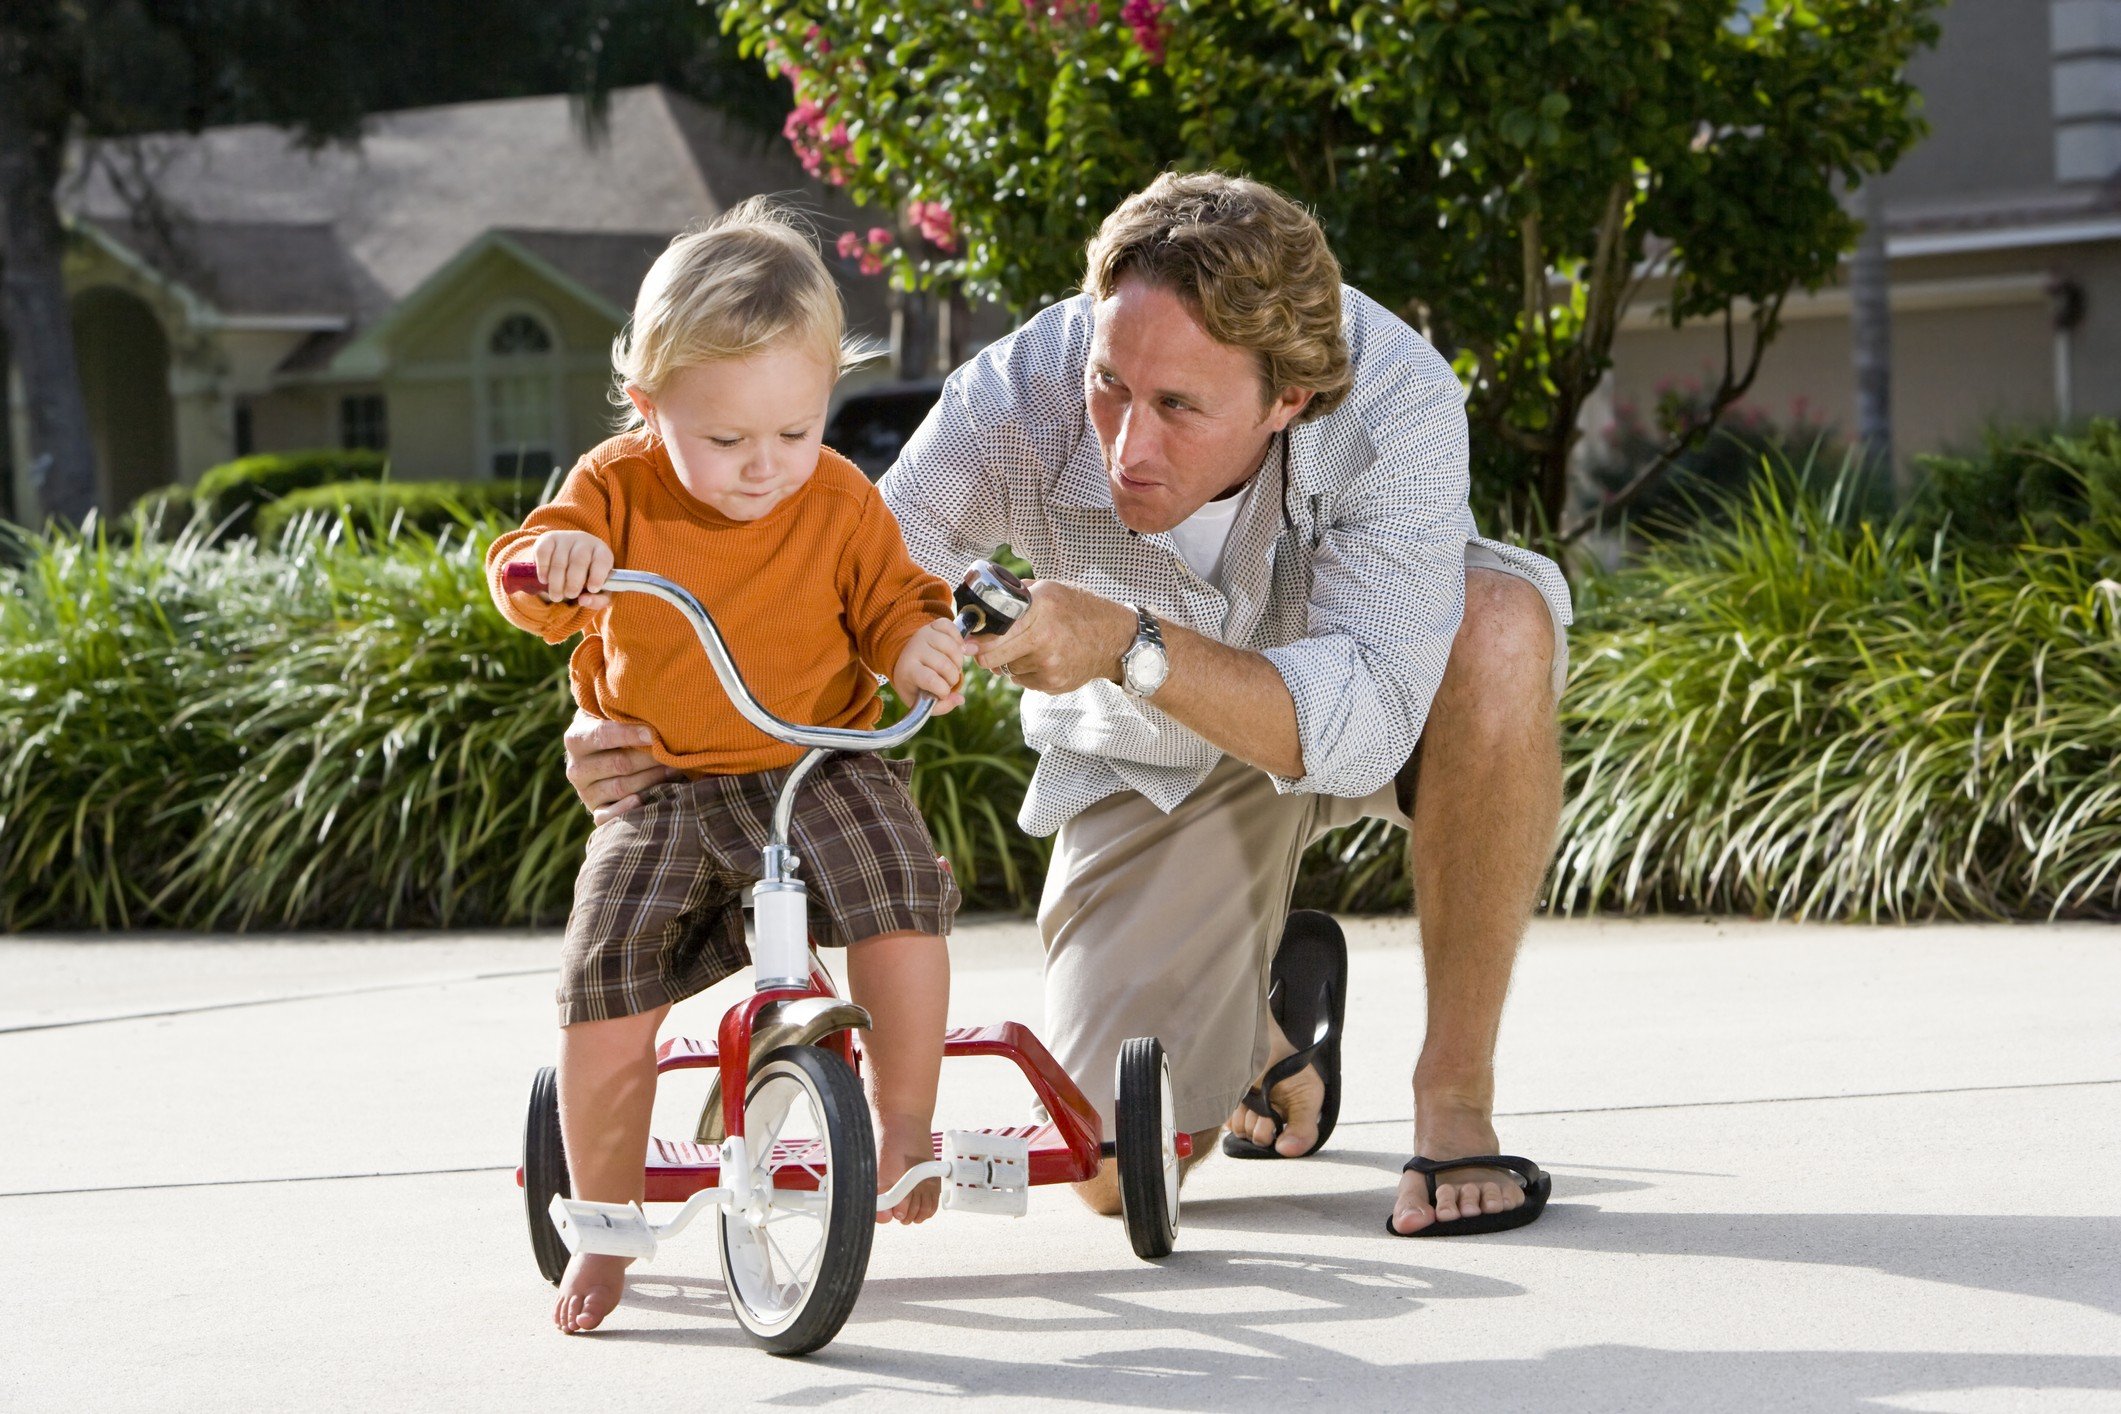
<point x="522" y="577"/>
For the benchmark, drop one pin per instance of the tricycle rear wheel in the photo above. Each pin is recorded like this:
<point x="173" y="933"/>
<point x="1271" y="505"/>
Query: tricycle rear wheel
<point x="1146" y="1148"/>
<point x="545" y="1173"/>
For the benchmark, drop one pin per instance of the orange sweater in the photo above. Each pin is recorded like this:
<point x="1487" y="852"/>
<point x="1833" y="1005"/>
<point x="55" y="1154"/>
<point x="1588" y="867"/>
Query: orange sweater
<point x="805" y="598"/>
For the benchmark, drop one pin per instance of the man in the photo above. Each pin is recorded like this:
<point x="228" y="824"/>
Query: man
<point x="1260" y="612"/>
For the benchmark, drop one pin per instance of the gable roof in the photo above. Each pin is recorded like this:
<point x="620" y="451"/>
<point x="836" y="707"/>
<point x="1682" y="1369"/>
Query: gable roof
<point x="262" y="225"/>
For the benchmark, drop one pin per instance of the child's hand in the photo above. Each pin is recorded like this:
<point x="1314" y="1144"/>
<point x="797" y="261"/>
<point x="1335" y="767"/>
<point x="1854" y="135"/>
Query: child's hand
<point x="574" y="565"/>
<point x="933" y="662"/>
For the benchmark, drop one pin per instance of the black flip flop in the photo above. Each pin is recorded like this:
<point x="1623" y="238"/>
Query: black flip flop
<point x="1537" y="1185"/>
<point x="1309" y="998"/>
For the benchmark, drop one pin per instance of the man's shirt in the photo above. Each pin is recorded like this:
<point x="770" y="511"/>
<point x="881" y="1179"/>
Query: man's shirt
<point x="1345" y="569"/>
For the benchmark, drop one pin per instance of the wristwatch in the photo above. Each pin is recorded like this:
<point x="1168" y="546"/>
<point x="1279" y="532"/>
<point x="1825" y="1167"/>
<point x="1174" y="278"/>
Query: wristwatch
<point x="1143" y="668"/>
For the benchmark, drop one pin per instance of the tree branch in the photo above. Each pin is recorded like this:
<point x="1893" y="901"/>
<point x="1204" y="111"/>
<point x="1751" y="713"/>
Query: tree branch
<point x="1730" y="388"/>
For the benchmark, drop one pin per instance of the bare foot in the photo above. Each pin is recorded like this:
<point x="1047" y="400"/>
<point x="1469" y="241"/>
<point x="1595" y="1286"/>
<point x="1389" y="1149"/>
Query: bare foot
<point x="901" y="1143"/>
<point x="589" y="1291"/>
<point x="1449" y="1130"/>
<point x="1299" y="1098"/>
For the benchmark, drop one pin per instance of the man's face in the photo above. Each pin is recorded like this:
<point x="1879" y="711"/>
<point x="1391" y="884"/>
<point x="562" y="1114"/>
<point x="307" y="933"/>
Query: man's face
<point x="1180" y="416"/>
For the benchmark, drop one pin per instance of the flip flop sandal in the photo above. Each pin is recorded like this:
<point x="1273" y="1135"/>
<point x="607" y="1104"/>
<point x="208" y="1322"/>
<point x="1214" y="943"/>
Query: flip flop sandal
<point x="1308" y="997"/>
<point x="1537" y="1185"/>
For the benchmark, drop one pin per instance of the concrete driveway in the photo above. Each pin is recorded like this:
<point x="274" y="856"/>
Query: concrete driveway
<point x="1804" y="1168"/>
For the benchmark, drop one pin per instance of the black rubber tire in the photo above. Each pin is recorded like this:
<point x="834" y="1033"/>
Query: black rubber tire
<point x="850" y="1220"/>
<point x="545" y="1173"/>
<point x="1143" y="1126"/>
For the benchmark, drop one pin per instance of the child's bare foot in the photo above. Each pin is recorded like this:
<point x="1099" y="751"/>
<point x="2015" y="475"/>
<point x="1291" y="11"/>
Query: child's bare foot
<point x="900" y="1144"/>
<point x="590" y="1291"/>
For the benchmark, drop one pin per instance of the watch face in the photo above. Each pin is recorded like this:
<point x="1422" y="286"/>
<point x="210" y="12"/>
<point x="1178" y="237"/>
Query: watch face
<point x="1145" y="668"/>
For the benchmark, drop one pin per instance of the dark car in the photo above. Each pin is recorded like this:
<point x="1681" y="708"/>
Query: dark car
<point x="871" y="426"/>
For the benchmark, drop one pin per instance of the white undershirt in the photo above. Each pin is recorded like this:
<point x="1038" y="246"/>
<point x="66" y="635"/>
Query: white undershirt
<point x="1200" y="537"/>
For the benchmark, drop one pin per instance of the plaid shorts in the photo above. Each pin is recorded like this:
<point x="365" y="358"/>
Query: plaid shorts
<point x="658" y="907"/>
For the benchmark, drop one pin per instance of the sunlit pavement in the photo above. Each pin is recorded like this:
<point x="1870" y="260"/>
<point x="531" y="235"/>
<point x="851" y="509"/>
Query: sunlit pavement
<point x="1802" y="1168"/>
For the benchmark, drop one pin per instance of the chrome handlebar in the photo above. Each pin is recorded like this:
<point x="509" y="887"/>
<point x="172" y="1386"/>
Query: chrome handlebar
<point x="522" y="578"/>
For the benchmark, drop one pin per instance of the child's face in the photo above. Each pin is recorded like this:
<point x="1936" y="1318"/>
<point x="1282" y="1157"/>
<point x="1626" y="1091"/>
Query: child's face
<point x="744" y="433"/>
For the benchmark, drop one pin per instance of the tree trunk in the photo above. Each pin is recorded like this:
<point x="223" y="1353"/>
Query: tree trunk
<point x="40" y="331"/>
<point x="1871" y="338"/>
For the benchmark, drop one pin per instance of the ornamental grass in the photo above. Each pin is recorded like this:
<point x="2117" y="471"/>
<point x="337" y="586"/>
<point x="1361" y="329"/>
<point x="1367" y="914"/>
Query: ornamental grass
<point x="1803" y="714"/>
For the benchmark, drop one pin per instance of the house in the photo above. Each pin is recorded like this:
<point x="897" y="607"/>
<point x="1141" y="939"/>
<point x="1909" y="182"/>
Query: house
<point x="2003" y="239"/>
<point x="447" y="290"/>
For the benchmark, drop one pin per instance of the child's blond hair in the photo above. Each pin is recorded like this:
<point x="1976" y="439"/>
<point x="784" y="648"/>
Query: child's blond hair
<point x="748" y="279"/>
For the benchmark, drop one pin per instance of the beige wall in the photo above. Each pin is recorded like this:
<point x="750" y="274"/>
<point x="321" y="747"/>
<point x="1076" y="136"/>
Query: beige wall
<point x="1972" y="345"/>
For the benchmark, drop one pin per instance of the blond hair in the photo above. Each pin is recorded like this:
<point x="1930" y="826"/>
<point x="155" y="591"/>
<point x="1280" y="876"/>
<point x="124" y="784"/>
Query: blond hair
<point x="1251" y="263"/>
<point x="748" y="279"/>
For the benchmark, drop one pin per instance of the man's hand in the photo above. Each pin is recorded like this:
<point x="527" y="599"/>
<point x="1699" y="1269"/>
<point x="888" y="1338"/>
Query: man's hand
<point x="574" y="565"/>
<point x="1067" y="637"/>
<point x="608" y="764"/>
<point x="933" y="661"/>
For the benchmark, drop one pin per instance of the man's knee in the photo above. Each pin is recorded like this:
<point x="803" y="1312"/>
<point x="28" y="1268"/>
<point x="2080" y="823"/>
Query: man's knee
<point x="1505" y="646"/>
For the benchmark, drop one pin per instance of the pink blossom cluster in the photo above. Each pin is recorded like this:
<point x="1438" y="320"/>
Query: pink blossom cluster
<point x="1146" y="19"/>
<point x="817" y="139"/>
<point x="934" y="221"/>
<point x="868" y="254"/>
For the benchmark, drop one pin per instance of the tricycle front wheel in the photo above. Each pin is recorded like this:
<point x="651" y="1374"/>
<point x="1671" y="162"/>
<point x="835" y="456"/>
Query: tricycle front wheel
<point x="795" y="1260"/>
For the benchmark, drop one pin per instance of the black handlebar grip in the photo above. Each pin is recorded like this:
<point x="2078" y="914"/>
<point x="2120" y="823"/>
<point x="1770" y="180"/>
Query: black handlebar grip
<point x="990" y="600"/>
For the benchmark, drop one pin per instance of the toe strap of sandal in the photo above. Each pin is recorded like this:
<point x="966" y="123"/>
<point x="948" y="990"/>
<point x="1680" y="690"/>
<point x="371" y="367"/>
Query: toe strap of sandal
<point x="1256" y="1098"/>
<point x="1528" y="1173"/>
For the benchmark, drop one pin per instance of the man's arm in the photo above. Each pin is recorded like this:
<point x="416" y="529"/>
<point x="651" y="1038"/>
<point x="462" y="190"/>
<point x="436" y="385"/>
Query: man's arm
<point x="1234" y="698"/>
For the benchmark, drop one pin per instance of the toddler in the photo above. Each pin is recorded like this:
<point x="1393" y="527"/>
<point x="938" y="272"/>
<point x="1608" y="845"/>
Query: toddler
<point x="721" y="484"/>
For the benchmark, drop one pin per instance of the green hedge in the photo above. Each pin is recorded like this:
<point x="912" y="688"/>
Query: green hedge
<point x="373" y="508"/>
<point x="233" y="492"/>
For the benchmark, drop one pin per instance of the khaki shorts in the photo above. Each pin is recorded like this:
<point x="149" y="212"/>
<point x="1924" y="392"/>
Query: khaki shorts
<point x="659" y="904"/>
<point x="1165" y="925"/>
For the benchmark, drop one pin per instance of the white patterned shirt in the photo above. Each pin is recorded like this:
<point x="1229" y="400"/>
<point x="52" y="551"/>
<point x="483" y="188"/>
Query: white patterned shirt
<point x="1346" y="568"/>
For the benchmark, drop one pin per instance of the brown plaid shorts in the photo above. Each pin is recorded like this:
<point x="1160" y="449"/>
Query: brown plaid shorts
<point x="658" y="907"/>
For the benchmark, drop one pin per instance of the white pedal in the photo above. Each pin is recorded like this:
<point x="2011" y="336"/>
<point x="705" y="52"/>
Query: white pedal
<point x="603" y="1229"/>
<point x="989" y="1173"/>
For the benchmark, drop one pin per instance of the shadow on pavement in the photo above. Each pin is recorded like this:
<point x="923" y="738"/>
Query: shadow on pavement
<point x="1583" y="1378"/>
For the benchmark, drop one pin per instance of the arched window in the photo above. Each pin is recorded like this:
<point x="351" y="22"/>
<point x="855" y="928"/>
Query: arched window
<point x="520" y="386"/>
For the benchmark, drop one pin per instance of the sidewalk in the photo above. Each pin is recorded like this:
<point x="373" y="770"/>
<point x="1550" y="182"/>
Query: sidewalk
<point x="1804" y="1168"/>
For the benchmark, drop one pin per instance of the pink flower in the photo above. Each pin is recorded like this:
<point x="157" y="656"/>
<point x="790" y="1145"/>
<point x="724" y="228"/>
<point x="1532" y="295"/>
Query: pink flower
<point x="879" y="238"/>
<point x="850" y="245"/>
<point x="871" y="264"/>
<point x="935" y="223"/>
<point x="838" y="136"/>
<point x="1145" y="18"/>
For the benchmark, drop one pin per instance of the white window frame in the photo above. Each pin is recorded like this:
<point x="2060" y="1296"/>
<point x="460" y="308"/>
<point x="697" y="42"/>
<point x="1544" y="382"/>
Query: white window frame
<point x="487" y="366"/>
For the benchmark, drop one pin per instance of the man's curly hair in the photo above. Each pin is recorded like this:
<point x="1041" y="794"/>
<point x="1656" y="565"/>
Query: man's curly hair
<point x="1251" y="263"/>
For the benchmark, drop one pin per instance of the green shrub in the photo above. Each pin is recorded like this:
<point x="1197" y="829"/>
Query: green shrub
<point x="373" y="508"/>
<point x="2022" y="482"/>
<point x="234" y="491"/>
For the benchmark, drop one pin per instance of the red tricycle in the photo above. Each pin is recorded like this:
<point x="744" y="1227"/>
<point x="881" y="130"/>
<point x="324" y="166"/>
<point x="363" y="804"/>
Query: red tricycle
<point x="783" y="1151"/>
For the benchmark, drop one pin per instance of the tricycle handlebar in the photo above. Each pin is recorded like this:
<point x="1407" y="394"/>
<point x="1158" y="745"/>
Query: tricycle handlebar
<point x="521" y="577"/>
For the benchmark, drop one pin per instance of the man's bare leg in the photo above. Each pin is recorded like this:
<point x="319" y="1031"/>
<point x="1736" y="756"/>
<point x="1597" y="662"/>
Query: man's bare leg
<point x="1484" y="816"/>
<point x="1485" y="810"/>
